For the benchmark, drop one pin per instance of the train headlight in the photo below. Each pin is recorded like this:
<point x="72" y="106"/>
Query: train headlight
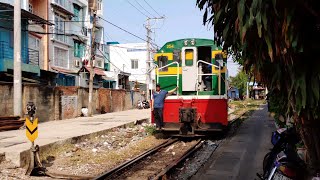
<point x="193" y="42"/>
<point x="185" y="42"/>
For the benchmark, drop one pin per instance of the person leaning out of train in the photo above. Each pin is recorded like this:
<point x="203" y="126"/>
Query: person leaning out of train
<point x="158" y="103"/>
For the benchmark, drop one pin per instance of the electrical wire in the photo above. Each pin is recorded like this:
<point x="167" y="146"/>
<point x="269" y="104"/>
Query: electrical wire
<point x="101" y="53"/>
<point x="143" y="8"/>
<point x="65" y="34"/>
<point x="119" y="37"/>
<point x="113" y="45"/>
<point x="151" y="7"/>
<point x="116" y="50"/>
<point x="37" y="32"/>
<point x="119" y="53"/>
<point x="152" y="43"/>
<point x="137" y="8"/>
<point x="127" y="31"/>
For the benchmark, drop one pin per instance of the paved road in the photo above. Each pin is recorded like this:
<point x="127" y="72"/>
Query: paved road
<point x="241" y="156"/>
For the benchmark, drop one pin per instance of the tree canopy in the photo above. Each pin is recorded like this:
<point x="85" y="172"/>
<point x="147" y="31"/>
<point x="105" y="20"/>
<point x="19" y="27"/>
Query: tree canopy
<point x="240" y="81"/>
<point x="279" y="40"/>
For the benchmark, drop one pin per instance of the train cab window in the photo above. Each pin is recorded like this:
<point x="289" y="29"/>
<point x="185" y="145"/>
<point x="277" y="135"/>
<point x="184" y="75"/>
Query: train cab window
<point x="189" y="57"/>
<point x="218" y="58"/>
<point x="163" y="61"/>
<point x="176" y="55"/>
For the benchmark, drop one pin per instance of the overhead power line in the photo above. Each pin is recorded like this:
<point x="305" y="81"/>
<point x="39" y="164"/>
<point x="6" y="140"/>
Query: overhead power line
<point x="144" y="8"/>
<point x="122" y="53"/>
<point x="151" y="7"/>
<point x="137" y="8"/>
<point x="101" y="53"/>
<point x="127" y="31"/>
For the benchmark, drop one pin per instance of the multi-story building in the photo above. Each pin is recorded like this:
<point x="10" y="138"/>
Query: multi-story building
<point x="56" y="38"/>
<point x="70" y="44"/>
<point x="34" y="47"/>
<point x="129" y="60"/>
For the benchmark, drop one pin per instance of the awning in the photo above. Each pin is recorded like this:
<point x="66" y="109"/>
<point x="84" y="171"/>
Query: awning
<point x="97" y="71"/>
<point x="24" y="14"/>
<point x="64" y="71"/>
<point x="124" y="73"/>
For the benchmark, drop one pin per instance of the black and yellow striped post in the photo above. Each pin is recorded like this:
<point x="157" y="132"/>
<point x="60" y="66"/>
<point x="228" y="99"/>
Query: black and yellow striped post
<point x="32" y="129"/>
<point x="35" y="167"/>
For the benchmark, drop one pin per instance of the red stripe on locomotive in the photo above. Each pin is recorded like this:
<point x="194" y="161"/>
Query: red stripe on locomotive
<point x="209" y="110"/>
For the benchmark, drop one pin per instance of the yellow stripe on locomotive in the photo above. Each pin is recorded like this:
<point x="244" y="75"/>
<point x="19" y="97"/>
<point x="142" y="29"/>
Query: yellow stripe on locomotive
<point x="182" y="56"/>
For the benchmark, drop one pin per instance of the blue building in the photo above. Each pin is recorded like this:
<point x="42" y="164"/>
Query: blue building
<point x="233" y="93"/>
<point x="29" y="57"/>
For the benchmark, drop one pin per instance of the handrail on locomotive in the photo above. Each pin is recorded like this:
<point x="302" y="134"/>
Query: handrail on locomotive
<point x="210" y="74"/>
<point x="177" y="75"/>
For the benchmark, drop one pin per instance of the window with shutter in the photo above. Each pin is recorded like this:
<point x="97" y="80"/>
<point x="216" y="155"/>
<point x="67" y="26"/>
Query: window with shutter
<point x="77" y="11"/>
<point x="134" y="63"/>
<point x="78" y="49"/>
<point x="59" y="28"/>
<point x="61" y="57"/>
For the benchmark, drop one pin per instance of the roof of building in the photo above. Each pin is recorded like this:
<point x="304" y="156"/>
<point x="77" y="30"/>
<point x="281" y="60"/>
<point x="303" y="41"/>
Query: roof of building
<point x="112" y="43"/>
<point x="97" y="71"/>
<point x="24" y="14"/>
<point x="64" y="71"/>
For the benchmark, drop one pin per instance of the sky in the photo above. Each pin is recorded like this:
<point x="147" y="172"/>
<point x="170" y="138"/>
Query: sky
<point x="182" y="20"/>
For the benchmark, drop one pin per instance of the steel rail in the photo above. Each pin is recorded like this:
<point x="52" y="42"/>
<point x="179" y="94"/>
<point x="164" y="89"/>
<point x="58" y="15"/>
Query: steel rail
<point x="191" y="150"/>
<point x="136" y="159"/>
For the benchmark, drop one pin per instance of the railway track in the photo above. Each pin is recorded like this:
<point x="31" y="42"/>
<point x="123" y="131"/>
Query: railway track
<point x="155" y="163"/>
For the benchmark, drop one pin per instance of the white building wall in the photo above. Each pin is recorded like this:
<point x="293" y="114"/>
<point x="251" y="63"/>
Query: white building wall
<point x="121" y="56"/>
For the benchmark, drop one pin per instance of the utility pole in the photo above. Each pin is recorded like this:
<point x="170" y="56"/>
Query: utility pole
<point x="92" y="57"/>
<point x="148" y="58"/>
<point x="148" y="73"/>
<point x="17" y="84"/>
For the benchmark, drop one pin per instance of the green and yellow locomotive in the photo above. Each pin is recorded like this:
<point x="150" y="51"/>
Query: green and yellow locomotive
<point x="199" y="68"/>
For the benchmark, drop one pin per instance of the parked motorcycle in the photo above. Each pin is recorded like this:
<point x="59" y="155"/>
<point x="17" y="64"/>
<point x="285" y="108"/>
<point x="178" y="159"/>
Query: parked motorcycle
<point x="143" y="104"/>
<point x="283" y="162"/>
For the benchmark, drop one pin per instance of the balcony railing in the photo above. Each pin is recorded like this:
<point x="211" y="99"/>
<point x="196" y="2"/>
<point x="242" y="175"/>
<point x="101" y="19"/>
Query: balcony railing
<point x="65" y="5"/>
<point x="33" y="57"/>
<point x="28" y="56"/>
<point x="61" y="38"/>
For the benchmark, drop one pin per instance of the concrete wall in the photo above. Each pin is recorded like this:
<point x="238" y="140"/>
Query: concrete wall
<point x="6" y="100"/>
<point x="43" y="97"/>
<point x="54" y="103"/>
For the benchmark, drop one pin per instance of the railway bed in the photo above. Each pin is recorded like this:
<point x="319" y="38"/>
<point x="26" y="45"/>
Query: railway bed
<point x="156" y="162"/>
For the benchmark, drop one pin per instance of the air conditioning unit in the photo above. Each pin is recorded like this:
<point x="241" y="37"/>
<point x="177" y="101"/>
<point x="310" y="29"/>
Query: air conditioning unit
<point x="98" y="63"/>
<point x="77" y="63"/>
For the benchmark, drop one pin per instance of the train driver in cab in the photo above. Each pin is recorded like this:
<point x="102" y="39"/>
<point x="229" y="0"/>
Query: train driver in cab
<point x="157" y="104"/>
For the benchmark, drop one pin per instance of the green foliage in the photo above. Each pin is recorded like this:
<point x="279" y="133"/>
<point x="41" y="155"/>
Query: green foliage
<point x="278" y="106"/>
<point x="279" y="40"/>
<point x="150" y="130"/>
<point x="240" y="81"/>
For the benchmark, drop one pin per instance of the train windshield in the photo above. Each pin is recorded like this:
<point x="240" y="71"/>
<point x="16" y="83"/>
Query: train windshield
<point x="204" y="53"/>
